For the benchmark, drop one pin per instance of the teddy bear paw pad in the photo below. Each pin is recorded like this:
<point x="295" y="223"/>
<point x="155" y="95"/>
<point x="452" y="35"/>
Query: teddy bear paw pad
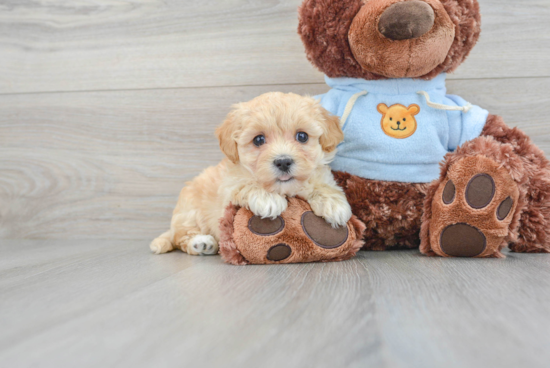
<point x="462" y="240"/>
<point x="472" y="209"/>
<point x="322" y="233"/>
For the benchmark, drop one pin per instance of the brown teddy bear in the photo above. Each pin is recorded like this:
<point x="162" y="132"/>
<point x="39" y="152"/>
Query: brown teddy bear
<point x="420" y="167"/>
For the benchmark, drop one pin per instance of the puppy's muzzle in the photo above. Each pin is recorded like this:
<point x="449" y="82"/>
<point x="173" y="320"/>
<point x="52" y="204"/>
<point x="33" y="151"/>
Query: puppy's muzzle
<point x="284" y="164"/>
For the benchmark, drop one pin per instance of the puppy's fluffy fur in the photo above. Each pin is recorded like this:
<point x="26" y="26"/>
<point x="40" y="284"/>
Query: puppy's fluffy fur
<point x="249" y="176"/>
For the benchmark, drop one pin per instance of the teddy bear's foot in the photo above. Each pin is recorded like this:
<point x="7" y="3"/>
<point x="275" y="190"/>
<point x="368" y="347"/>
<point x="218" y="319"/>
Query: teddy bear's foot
<point x="297" y="236"/>
<point x="472" y="209"/>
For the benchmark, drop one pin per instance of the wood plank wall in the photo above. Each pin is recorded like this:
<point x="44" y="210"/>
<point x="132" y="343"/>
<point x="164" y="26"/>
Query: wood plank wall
<point x="107" y="107"/>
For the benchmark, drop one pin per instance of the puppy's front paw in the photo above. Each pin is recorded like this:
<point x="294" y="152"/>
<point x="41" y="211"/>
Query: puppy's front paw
<point x="334" y="208"/>
<point x="268" y="205"/>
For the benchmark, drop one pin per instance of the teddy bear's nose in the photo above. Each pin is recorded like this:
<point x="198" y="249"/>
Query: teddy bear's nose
<point x="406" y="20"/>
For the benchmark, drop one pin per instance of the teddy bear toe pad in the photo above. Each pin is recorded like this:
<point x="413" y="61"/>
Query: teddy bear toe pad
<point x="297" y="236"/>
<point x="266" y="227"/>
<point x="472" y="209"/>
<point x="279" y="252"/>
<point x="449" y="193"/>
<point x="480" y="191"/>
<point x="505" y="208"/>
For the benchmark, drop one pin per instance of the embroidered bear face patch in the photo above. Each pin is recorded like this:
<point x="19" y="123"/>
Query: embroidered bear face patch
<point x="398" y="121"/>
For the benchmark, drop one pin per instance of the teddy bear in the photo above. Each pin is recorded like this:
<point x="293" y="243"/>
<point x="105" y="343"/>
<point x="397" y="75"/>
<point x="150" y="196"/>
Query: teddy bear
<point x="422" y="168"/>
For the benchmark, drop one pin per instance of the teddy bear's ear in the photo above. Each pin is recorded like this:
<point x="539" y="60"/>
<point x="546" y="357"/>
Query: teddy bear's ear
<point x="414" y="109"/>
<point x="226" y="135"/>
<point x="323" y="27"/>
<point x="382" y="109"/>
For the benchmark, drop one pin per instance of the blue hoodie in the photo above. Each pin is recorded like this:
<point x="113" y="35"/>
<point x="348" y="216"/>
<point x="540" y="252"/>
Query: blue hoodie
<point x="431" y="124"/>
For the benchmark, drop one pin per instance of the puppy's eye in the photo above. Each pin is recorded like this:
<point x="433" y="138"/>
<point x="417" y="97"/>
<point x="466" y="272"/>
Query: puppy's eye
<point x="302" y="137"/>
<point x="391" y="119"/>
<point x="404" y="119"/>
<point x="259" y="140"/>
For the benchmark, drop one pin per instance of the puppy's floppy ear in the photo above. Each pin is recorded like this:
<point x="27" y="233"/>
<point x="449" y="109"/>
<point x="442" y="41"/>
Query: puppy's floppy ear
<point x="226" y="135"/>
<point x="333" y="134"/>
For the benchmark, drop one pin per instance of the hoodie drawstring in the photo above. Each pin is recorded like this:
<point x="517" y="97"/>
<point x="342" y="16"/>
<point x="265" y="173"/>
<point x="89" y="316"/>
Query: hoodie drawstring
<point x="443" y="107"/>
<point x="349" y="107"/>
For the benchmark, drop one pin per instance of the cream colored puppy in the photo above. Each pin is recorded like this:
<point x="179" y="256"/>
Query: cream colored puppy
<point x="277" y="145"/>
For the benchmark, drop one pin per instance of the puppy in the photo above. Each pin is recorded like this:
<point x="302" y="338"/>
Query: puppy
<point x="276" y="146"/>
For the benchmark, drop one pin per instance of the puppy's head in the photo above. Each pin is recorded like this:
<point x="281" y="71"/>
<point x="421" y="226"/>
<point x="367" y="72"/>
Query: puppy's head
<point x="281" y="139"/>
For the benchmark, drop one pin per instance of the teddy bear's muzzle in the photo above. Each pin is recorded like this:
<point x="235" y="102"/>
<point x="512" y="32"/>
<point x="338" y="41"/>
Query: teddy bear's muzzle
<point x="401" y="38"/>
<point x="406" y="20"/>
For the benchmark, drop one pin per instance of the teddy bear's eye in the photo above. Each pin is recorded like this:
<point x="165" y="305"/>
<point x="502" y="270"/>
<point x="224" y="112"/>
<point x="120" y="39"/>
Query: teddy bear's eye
<point x="391" y="119"/>
<point x="404" y="119"/>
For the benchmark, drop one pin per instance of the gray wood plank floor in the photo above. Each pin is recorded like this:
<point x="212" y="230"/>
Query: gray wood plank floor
<point x="113" y="304"/>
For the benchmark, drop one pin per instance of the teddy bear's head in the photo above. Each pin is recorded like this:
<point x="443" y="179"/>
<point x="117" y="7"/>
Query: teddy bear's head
<point x="378" y="39"/>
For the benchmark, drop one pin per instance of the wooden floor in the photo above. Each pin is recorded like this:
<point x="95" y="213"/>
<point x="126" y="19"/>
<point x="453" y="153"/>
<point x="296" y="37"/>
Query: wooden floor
<point x="112" y="304"/>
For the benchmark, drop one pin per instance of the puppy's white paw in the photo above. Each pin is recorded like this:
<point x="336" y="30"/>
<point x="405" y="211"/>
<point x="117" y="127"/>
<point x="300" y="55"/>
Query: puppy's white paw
<point x="202" y="245"/>
<point x="268" y="205"/>
<point x="335" y="209"/>
<point x="161" y="245"/>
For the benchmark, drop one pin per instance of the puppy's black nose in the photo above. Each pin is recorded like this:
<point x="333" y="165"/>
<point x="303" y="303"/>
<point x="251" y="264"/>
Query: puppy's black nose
<point x="283" y="164"/>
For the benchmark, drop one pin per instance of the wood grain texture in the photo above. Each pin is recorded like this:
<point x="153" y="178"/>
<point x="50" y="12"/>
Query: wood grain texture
<point x="83" y="45"/>
<point x="110" y="165"/>
<point x="105" y="164"/>
<point x="112" y="304"/>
